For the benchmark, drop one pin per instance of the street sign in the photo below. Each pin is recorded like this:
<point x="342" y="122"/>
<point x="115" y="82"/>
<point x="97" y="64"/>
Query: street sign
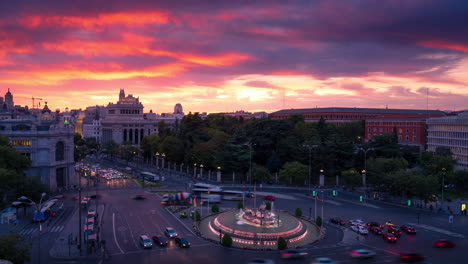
<point x="409" y="202"/>
<point x="450" y="219"/>
<point x="360" y="198"/>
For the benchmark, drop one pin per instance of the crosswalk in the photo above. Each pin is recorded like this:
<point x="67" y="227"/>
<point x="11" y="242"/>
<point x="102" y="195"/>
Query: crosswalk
<point x="33" y="230"/>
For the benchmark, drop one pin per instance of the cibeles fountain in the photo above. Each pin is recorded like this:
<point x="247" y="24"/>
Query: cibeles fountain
<point x="259" y="228"/>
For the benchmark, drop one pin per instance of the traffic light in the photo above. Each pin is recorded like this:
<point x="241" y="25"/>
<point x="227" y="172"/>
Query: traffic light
<point x="463" y="207"/>
<point x="314" y="193"/>
<point x="335" y="192"/>
<point x="360" y="198"/>
<point x="409" y="202"/>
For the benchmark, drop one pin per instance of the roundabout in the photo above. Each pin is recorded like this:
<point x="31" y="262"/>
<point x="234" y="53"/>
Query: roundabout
<point x="258" y="228"/>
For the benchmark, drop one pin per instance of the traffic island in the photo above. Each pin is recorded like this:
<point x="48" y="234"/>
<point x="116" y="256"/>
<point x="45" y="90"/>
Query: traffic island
<point x="258" y="229"/>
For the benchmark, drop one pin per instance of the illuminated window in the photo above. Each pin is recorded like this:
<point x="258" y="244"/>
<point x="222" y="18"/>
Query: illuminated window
<point x="400" y="130"/>
<point x="21" y="142"/>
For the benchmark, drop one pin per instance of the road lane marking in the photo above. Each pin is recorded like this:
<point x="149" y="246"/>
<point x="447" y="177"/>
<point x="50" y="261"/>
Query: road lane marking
<point x="189" y="229"/>
<point x="439" y="230"/>
<point x="333" y="202"/>
<point x="115" y="236"/>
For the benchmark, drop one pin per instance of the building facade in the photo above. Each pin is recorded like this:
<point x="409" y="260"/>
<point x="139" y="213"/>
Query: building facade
<point x="409" y="123"/>
<point x="48" y="142"/>
<point x="451" y="132"/>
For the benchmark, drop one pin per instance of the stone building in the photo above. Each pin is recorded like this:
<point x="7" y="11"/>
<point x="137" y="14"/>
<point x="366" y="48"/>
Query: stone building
<point x="47" y="140"/>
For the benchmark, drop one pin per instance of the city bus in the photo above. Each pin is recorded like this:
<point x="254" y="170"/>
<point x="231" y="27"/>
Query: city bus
<point x="210" y="195"/>
<point x="45" y="211"/>
<point x="205" y="186"/>
<point x="149" y="176"/>
<point x="233" y="195"/>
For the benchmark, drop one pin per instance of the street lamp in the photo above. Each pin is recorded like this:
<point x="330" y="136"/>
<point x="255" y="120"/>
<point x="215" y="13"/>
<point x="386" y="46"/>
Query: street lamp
<point x="201" y="171"/>
<point x="310" y="147"/>
<point x="157" y="160"/>
<point x="163" y="157"/>
<point x="38" y="210"/>
<point x="250" y="161"/>
<point x="443" y="184"/>
<point x="218" y="174"/>
<point x="365" y="150"/>
<point x="195" y="170"/>
<point x="322" y="178"/>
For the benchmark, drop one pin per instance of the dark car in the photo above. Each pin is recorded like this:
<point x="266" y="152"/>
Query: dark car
<point x="140" y="197"/>
<point x="394" y="231"/>
<point x="160" y="240"/>
<point x="389" y="237"/>
<point x="411" y="257"/>
<point x="182" y="242"/>
<point x="371" y="224"/>
<point x="408" y="229"/>
<point x="337" y="221"/>
<point x="376" y="230"/>
<point x="443" y="243"/>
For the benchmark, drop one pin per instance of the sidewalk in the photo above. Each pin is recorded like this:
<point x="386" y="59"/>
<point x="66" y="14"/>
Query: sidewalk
<point x="24" y="220"/>
<point x="63" y="249"/>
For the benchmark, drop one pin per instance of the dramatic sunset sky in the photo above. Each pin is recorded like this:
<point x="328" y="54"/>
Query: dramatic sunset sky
<point x="226" y="55"/>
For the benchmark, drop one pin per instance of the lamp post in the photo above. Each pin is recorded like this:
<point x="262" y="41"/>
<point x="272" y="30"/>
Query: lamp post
<point x="218" y="174"/>
<point x="201" y="171"/>
<point x="157" y="160"/>
<point x="365" y="150"/>
<point x="310" y="147"/>
<point x="443" y="185"/>
<point x="322" y="178"/>
<point x="195" y="170"/>
<point x="250" y="161"/>
<point x="163" y="158"/>
<point x="364" y="178"/>
<point x="38" y="210"/>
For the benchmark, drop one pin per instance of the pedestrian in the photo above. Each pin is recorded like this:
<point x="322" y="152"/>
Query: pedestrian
<point x="16" y="222"/>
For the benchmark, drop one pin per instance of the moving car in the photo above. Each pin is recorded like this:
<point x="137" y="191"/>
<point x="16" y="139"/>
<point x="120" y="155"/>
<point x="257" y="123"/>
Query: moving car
<point x="408" y="229"/>
<point x="371" y="224"/>
<point x="394" y="230"/>
<point x="324" y="260"/>
<point x="269" y="198"/>
<point x="170" y="232"/>
<point x="376" y="230"/>
<point x="258" y="261"/>
<point x="411" y="257"/>
<point x="389" y="237"/>
<point x="182" y="242"/>
<point x="140" y="197"/>
<point x="293" y="254"/>
<point x="443" y="243"/>
<point x="362" y="253"/>
<point x="337" y="221"/>
<point x="357" y="222"/>
<point x="160" y="240"/>
<point x="145" y="242"/>
<point x="360" y="230"/>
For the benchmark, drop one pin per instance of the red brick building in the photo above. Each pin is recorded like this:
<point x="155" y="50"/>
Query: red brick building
<point x="410" y="124"/>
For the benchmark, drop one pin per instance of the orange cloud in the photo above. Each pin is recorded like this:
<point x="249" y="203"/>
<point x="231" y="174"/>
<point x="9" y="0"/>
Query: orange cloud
<point x="87" y="71"/>
<point x="445" y="45"/>
<point x="133" y="44"/>
<point x="97" y="22"/>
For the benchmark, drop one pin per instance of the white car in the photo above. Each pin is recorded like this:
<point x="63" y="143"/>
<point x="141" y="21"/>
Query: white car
<point x="357" y="222"/>
<point x="362" y="230"/>
<point x="362" y="253"/>
<point x="170" y="232"/>
<point x="145" y="242"/>
<point x="324" y="260"/>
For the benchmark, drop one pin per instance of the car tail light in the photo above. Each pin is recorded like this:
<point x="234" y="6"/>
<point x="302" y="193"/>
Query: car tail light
<point x="285" y="254"/>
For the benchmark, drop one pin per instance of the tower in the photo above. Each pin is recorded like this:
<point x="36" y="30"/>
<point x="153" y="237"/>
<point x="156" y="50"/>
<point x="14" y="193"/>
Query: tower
<point x="121" y="95"/>
<point x="178" y="109"/>
<point x="9" y="100"/>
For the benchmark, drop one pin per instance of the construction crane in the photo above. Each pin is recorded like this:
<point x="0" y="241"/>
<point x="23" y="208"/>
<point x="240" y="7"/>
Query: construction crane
<point x="35" y="98"/>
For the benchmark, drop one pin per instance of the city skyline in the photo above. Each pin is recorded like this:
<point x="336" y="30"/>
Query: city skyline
<point x="229" y="56"/>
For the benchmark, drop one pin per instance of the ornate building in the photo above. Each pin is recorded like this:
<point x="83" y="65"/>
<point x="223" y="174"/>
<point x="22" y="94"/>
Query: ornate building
<point x="47" y="139"/>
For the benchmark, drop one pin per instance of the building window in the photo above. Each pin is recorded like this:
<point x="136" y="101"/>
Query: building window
<point x="59" y="151"/>
<point x="414" y="138"/>
<point x="21" y="142"/>
<point x="407" y="138"/>
<point x="400" y="130"/>
<point x="407" y="130"/>
<point x="375" y="129"/>
<point x="380" y="130"/>
<point x="414" y="131"/>
<point x="400" y="138"/>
